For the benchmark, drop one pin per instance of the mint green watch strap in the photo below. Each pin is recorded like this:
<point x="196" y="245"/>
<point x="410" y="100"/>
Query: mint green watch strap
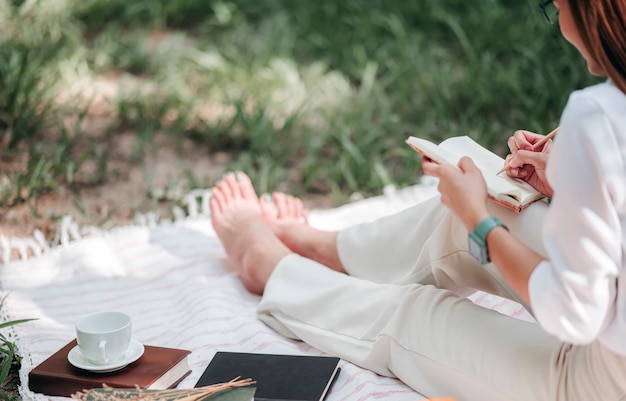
<point x="484" y="228"/>
<point x="478" y="238"/>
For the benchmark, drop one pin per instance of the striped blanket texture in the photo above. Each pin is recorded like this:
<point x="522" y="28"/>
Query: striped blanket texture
<point x="174" y="281"/>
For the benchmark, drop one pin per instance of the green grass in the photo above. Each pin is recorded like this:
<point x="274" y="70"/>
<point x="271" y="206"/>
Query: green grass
<point x="310" y="96"/>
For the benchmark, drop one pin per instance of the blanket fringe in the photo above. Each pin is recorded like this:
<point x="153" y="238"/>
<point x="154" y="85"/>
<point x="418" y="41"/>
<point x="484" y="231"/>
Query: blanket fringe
<point x="193" y="205"/>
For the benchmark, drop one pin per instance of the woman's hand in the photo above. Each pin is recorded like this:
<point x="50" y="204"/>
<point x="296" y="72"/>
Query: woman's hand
<point x="528" y="164"/>
<point x="463" y="190"/>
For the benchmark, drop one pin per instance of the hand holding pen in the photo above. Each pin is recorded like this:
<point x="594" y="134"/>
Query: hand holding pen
<point x="535" y="147"/>
<point x="528" y="163"/>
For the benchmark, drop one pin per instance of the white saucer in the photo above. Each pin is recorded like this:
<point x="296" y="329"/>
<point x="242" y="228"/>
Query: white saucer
<point x="134" y="352"/>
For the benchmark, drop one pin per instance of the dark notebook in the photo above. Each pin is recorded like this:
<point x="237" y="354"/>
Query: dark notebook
<point x="278" y="377"/>
<point x="158" y="368"/>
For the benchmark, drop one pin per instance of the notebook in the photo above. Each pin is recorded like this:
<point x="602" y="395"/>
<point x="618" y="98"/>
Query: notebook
<point x="278" y="377"/>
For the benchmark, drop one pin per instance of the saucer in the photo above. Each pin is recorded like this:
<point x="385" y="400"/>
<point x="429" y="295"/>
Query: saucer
<point x="134" y="352"/>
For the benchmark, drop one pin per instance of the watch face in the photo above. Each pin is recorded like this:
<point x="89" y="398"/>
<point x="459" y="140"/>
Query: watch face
<point x="475" y="249"/>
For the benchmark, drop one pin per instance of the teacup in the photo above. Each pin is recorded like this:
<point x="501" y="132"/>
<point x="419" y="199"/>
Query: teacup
<point x="104" y="337"/>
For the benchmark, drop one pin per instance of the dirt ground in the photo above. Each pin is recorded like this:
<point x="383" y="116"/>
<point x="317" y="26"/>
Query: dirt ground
<point x="131" y="187"/>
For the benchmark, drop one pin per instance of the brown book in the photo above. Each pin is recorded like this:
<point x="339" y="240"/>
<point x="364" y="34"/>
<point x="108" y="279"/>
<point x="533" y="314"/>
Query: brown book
<point x="158" y="368"/>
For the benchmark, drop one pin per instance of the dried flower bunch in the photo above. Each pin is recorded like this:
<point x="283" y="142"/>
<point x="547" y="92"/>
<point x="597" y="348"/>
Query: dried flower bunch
<point x="107" y="393"/>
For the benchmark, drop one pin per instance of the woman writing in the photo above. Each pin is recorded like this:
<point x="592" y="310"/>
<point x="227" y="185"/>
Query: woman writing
<point x="389" y="295"/>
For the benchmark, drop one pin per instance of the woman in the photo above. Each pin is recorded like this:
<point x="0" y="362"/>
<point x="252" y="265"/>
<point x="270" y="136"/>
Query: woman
<point x="388" y="295"/>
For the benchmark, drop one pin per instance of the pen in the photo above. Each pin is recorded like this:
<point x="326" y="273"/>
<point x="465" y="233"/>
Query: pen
<point x="535" y="146"/>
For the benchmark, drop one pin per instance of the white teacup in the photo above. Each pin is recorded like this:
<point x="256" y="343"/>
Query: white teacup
<point x="104" y="337"/>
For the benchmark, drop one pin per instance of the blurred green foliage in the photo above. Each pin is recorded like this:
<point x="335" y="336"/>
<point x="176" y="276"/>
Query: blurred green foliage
<point x="314" y="96"/>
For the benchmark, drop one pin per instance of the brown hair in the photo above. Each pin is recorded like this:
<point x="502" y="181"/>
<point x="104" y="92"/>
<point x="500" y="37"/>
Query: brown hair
<point x="602" y="26"/>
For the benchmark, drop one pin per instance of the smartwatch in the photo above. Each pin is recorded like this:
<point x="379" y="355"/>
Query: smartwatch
<point x="477" y="243"/>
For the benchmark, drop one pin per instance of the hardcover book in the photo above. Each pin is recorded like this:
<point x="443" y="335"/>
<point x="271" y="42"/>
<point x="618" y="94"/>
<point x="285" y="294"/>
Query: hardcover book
<point x="504" y="190"/>
<point x="277" y="377"/>
<point x="158" y="368"/>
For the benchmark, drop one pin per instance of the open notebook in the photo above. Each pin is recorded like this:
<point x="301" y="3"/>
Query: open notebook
<point x="507" y="191"/>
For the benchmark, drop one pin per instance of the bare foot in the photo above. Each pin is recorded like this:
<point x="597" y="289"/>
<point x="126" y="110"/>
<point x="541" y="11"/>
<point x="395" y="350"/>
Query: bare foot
<point x="288" y="219"/>
<point x="241" y="226"/>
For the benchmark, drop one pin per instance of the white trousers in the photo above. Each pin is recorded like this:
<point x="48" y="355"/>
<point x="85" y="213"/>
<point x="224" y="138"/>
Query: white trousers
<point x="401" y="312"/>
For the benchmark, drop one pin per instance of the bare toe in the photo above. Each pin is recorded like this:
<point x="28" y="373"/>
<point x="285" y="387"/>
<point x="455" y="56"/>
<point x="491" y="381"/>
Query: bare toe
<point x="268" y="207"/>
<point x="292" y="206"/>
<point x="217" y="200"/>
<point x="224" y="188"/>
<point x="280" y="200"/>
<point x="289" y="208"/>
<point x="237" y="185"/>
<point x="245" y="185"/>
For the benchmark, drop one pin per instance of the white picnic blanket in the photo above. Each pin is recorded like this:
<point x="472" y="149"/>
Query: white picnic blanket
<point x="174" y="281"/>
